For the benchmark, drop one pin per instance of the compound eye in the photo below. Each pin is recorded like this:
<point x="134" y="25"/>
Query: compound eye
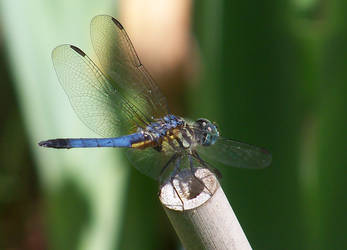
<point x="203" y="123"/>
<point x="209" y="133"/>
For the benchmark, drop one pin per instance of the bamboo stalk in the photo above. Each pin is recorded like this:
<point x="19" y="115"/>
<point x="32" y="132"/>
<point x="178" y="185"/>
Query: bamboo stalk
<point x="200" y="212"/>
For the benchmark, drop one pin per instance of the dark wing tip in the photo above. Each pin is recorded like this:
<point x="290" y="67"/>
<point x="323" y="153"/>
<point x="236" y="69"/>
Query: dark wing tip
<point x="267" y="159"/>
<point x="268" y="162"/>
<point x="116" y="22"/>
<point x="78" y="50"/>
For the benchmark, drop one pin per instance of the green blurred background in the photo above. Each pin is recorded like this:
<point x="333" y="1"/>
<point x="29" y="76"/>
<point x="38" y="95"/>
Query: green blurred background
<point x="271" y="73"/>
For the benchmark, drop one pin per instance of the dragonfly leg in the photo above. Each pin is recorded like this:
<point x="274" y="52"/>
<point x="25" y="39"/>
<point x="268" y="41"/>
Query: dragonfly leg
<point x="190" y="157"/>
<point x="174" y="172"/>
<point x="202" y="162"/>
<point x="173" y="158"/>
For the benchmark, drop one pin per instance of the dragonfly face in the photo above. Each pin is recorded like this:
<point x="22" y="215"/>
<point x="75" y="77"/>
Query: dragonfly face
<point x="208" y="132"/>
<point x="123" y="104"/>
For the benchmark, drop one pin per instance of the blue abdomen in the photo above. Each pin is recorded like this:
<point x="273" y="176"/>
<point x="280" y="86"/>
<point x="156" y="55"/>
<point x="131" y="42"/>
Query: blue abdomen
<point x="123" y="141"/>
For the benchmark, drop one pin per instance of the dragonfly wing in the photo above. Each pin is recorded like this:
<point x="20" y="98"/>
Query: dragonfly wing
<point x="236" y="154"/>
<point x="161" y="165"/>
<point x="97" y="102"/>
<point x="121" y="63"/>
<point x="149" y="161"/>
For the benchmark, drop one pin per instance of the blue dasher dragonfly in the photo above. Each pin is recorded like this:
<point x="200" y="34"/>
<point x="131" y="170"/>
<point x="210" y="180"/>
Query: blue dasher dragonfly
<point x="123" y="104"/>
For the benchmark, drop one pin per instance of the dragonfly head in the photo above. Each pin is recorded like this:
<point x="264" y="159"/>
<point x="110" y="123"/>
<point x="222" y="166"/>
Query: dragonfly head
<point x="207" y="132"/>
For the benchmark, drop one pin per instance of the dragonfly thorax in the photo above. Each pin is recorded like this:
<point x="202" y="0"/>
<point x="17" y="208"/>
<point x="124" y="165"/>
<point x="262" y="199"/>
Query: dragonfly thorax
<point x="170" y="132"/>
<point x="174" y="132"/>
<point x="163" y="127"/>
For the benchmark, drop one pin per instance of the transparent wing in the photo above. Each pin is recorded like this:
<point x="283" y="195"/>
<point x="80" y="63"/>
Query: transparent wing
<point x="236" y="154"/>
<point x="160" y="165"/>
<point x="149" y="161"/>
<point x="121" y="63"/>
<point x="97" y="102"/>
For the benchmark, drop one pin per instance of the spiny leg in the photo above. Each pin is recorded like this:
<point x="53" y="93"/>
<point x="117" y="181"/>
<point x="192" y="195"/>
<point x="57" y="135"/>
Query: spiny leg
<point x="173" y="158"/>
<point x="193" y="173"/>
<point x="176" y="170"/>
<point x="202" y="162"/>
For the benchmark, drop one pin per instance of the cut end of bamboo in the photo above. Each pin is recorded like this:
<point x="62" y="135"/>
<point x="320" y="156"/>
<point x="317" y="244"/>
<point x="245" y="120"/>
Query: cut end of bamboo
<point x="186" y="190"/>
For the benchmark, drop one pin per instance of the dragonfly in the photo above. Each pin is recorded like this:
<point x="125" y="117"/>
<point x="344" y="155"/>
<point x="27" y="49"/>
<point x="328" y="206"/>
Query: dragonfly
<point x="123" y="105"/>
